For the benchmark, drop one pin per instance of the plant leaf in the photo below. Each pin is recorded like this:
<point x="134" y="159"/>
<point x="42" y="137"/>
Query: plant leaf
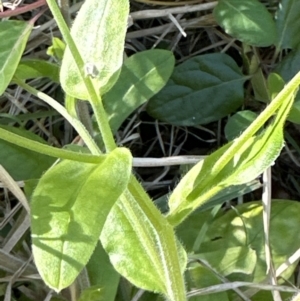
<point x="142" y="76"/>
<point x="15" y="35"/>
<point x="200" y="277"/>
<point x="287" y="68"/>
<point x="149" y="256"/>
<point x="21" y="163"/>
<point x="226" y="261"/>
<point x="288" y="24"/>
<point x="248" y="218"/>
<point x="248" y="21"/>
<point x="102" y="274"/>
<point x="34" y="68"/>
<point x="69" y="207"/>
<point x="238" y="123"/>
<point x="100" y="44"/>
<point x="57" y="49"/>
<point x="201" y="90"/>
<point x="198" y="186"/>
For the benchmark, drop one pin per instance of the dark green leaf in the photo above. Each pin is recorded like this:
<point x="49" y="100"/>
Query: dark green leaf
<point x="248" y="21"/>
<point x="21" y="163"/>
<point x="201" y="90"/>
<point x="69" y="207"/>
<point x="102" y="274"/>
<point x="288" y="24"/>
<point x="33" y="68"/>
<point x="289" y="66"/>
<point x="142" y="76"/>
<point x="14" y="35"/>
<point x="238" y="123"/>
<point x="294" y="115"/>
<point x="198" y="277"/>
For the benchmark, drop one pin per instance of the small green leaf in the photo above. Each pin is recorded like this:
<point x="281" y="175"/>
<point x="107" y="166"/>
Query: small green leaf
<point x="288" y="24"/>
<point x="14" y="35"/>
<point x="34" y="68"/>
<point x="23" y="164"/>
<point x="99" y="33"/>
<point x="69" y="207"/>
<point x="275" y="85"/>
<point x="142" y="246"/>
<point x="201" y="90"/>
<point x="238" y="123"/>
<point x="57" y="49"/>
<point x="142" y="76"/>
<point x="248" y="21"/>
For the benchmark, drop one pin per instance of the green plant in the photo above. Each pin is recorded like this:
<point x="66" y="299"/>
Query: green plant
<point x="90" y="205"/>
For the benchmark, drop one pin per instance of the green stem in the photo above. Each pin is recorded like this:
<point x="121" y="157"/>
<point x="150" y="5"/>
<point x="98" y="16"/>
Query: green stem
<point x="95" y="99"/>
<point x="78" y="126"/>
<point x="48" y="150"/>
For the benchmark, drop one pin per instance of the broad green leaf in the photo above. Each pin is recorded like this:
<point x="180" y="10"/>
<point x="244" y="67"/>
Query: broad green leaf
<point x="99" y="33"/>
<point x="142" y="246"/>
<point x="248" y="21"/>
<point x="198" y="186"/>
<point x="198" y="277"/>
<point x="33" y="68"/>
<point x="227" y="261"/>
<point x="244" y="227"/>
<point x="201" y="90"/>
<point x="238" y="123"/>
<point x="288" y="24"/>
<point x="14" y="35"/>
<point x="188" y="231"/>
<point x="22" y="163"/>
<point x="142" y="76"/>
<point x="69" y="207"/>
<point x="102" y="274"/>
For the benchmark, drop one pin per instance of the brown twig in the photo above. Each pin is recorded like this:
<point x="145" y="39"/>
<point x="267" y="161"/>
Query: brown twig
<point x="22" y="9"/>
